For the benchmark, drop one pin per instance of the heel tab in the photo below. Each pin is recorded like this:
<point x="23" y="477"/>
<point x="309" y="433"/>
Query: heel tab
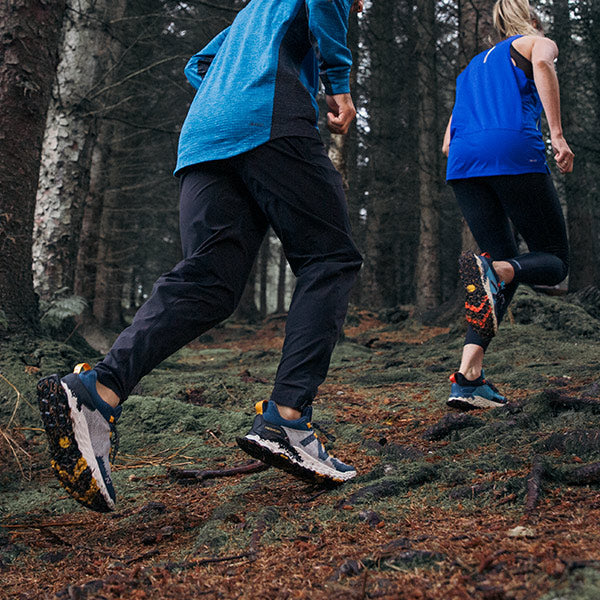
<point x="82" y="367"/>
<point x="260" y="406"/>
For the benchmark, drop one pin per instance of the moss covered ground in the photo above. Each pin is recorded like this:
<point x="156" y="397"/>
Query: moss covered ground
<point x="493" y="505"/>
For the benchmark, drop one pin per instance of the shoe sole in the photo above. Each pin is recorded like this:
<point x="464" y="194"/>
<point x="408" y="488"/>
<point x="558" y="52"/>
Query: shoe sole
<point x="72" y="458"/>
<point x="479" y="302"/>
<point x="273" y="454"/>
<point x="464" y="403"/>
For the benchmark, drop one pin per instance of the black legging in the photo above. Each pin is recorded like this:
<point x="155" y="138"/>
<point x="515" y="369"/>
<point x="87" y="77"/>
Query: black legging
<point x="529" y="201"/>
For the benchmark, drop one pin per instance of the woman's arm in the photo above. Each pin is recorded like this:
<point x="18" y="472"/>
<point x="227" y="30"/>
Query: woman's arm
<point x="543" y="55"/>
<point x="446" y="144"/>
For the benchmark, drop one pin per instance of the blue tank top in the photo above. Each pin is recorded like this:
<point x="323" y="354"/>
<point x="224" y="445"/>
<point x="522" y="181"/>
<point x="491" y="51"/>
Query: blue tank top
<point x="496" y="119"/>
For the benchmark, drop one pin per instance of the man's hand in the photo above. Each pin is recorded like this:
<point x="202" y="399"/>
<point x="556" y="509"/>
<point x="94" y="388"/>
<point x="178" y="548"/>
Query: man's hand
<point x="342" y="113"/>
<point x="563" y="155"/>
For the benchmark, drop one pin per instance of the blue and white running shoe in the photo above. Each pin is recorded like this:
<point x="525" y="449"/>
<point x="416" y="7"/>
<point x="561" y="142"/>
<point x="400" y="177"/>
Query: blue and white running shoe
<point x="82" y="436"/>
<point x="293" y="447"/>
<point x="478" y="393"/>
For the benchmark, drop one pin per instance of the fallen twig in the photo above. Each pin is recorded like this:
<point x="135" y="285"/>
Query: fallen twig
<point x="12" y="444"/>
<point x="197" y="475"/>
<point x="450" y="423"/>
<point x="207" y="561"/>
<point x="586" y="475"/>
<point x="534" y="484"/>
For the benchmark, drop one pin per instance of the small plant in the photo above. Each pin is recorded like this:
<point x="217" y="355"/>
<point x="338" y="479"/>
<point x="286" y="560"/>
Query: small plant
<point x="55" y="312"/>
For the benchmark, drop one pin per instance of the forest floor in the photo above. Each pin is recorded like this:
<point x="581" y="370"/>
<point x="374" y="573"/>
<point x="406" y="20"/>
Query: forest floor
<point x="501" y="504"/>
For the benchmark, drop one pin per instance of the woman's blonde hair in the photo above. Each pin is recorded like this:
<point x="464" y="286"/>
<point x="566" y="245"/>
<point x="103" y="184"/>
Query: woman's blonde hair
<point x="515" y="17"/>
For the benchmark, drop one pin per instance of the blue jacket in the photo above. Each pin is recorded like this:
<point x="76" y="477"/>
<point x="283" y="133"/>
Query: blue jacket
<point x="258" y="79"/>
<point x="496" y="119"/>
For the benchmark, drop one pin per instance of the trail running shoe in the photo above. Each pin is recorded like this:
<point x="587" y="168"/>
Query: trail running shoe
<point x="80" y="426"/>
<point x="481" y="288"/>
<point x="293" y="447"/>
<point x="469" y="395"/>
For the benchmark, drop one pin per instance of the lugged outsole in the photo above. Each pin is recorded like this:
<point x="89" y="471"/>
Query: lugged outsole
<point x="479" y="310"/>
<point x="281" y="461"/>
<point x="67" y="462"/>
<point x="472" y="404"/>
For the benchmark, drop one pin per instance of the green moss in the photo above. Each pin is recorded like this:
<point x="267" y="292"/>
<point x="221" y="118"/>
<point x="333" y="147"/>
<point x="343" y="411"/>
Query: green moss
<point x="581" y="584"/>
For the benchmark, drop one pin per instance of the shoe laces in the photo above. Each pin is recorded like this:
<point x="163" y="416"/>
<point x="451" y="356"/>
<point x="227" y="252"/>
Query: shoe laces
<point x="326" y="433"/>
<point x="491" y="386"/>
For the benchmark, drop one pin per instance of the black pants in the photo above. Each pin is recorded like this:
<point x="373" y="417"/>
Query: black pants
<point x="225" y="209"/>
<point x="530" y="203"/>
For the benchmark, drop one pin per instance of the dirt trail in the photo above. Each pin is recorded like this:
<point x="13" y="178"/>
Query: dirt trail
<point x="495" y="505"/>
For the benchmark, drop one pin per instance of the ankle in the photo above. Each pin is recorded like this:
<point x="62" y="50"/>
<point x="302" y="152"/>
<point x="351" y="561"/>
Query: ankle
<point x="290" y="414"/>
<point x="504" y="270"/>
<point x="471" y="374"/>
<point x="107" y="395"/>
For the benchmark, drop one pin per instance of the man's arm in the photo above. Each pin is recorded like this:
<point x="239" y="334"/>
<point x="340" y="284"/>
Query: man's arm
<point x="328" y="23"/>
<point x="197" y="66"/>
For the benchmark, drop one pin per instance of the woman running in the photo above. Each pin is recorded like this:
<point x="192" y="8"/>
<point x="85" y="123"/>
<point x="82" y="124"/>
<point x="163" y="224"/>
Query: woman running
<point x="498" y="171"/>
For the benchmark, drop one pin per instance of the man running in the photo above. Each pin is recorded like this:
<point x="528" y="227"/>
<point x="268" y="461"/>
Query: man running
<point x="250" y="156"/>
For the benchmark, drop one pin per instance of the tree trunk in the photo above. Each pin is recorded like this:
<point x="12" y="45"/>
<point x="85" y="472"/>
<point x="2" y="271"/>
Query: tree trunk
<point x="264" y="255"/>
<point x="581" y="187"/>
<point x="66" y="155"/>
<point x="247" y="309"/>
<point x="427" y="276"/>
<point x="115" y="245"/>
<point x="87" y="256"/>
<point x="475" y="29"/>
<point x="29" y="37"/>
<point x="475" y="33"/>
<point x="281" y="281"/>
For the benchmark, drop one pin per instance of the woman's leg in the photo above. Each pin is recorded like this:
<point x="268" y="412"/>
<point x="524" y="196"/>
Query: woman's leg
<point x="531" y="203"/>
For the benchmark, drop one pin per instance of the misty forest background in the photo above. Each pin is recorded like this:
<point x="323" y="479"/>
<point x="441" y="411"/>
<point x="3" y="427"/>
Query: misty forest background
<point x="92" y="98"/>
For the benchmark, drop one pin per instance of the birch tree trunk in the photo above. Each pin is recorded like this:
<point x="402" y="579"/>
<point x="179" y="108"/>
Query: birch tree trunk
<point x="29" y="37"/>
<point x="68" y="141"/>
<point x="427" y="273"/>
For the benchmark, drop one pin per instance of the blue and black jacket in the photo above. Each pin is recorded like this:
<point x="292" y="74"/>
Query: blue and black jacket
<point x="258" y="79"/>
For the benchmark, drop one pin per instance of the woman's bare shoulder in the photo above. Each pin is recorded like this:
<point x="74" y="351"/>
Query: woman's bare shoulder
<point x="525" y="45"/>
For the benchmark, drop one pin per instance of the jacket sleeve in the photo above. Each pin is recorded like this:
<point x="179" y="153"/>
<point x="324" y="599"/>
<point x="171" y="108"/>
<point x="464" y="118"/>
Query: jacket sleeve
<point x="328" y="24"/>
<point x="197" y="66"/>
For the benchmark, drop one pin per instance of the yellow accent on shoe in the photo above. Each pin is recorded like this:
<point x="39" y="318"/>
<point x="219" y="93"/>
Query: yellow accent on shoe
<point x="82" y="367"/>
<point x="471" y="288"/>
<point x="259" y="407"/>
<point x="64" y="442"/>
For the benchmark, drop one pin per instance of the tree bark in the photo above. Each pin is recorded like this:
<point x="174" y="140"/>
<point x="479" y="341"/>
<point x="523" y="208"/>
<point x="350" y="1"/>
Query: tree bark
<point x="281" y="280"/>
<point x="427" y="276"/>
<point x="29" y="37"/>
<point x="475" y="33"/>
<point x="87" y="256"/>
<point x="581" y="187"/>
<point x="264" y="255"/>
<point x="68" y="141"/>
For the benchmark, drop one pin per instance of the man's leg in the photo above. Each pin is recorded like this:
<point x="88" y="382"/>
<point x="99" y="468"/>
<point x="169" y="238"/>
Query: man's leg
<point x="299" y="190"/>
<point x="302" y="195"/>
<point x="221" y="231"/>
